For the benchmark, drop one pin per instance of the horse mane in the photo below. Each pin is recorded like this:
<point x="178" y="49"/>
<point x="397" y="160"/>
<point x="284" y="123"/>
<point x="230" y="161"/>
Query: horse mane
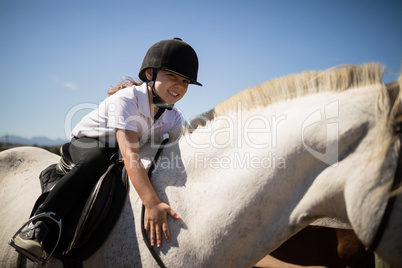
<point x="338" y="78"/>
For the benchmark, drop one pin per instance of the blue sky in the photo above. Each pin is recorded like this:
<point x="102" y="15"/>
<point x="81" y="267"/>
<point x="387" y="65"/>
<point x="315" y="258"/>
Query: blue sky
<point x="59" y="58"/>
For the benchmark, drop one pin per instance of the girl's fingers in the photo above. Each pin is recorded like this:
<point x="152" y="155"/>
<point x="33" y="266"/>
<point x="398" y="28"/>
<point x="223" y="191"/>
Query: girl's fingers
<point x="147" y="227"/>
<point x="166" y="231"/>
<point x="152" y="234"/>
<point x="158" y="236"/>
<point x="156" y="230"/>
<point x="173" y="214"/>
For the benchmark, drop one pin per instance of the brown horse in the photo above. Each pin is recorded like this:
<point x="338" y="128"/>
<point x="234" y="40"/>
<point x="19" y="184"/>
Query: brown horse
<point x="321" y="246"/>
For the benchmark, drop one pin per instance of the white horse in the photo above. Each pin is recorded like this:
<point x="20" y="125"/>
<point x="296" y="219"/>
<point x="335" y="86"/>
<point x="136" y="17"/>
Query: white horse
<point x="255" y="170"/>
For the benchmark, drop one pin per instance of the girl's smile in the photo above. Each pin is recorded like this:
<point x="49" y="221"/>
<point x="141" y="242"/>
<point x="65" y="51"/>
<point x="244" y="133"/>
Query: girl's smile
<point x="169" y="86"/>
<point x="172" y="93"/>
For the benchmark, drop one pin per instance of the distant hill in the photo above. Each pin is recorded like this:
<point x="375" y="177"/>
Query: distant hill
<point x="39" y="141"/>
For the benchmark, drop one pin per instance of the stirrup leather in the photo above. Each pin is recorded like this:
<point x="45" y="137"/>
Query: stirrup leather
<point x="43" y="259"/>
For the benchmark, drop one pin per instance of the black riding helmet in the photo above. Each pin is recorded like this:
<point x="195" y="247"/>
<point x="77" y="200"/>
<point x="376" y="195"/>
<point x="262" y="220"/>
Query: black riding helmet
<point x="172" y="55"/>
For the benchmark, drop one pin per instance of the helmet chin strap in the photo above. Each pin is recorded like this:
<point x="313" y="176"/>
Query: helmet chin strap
<point x="158" y="102"/>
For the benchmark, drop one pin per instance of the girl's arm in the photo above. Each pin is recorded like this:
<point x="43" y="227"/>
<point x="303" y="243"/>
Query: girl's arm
<point x="156" y="210"/>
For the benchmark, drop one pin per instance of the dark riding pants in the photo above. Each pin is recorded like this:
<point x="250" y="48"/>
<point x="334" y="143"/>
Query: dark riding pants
<point x="91" y="158"/>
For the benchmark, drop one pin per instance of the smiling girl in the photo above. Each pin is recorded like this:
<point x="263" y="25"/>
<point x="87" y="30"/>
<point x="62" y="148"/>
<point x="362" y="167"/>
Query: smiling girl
<point x="133" y="113"/>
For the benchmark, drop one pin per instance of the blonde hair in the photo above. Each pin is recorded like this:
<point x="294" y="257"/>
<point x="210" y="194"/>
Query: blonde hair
<point x="124" y="82"/>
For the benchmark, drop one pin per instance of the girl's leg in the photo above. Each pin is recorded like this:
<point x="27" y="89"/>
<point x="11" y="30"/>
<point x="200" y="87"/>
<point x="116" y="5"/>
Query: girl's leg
<point x="91" y="158"/>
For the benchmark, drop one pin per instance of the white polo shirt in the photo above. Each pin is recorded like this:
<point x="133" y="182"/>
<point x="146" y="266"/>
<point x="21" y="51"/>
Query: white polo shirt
<point x="127" y="109"/>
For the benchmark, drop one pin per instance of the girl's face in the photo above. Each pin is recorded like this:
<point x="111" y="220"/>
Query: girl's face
<point x="170" y="87"/>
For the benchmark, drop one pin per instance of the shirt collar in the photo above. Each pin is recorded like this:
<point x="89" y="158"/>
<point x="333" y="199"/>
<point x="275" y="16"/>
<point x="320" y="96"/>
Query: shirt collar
<point x="143" y="101"/>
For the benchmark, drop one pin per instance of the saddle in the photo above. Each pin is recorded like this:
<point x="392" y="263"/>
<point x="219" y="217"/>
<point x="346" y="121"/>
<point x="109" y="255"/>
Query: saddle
<point x="86" y="227"/>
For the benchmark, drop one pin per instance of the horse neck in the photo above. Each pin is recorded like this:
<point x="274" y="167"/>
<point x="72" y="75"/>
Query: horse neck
<point x="252" y="177"/>
<point x="355" y="188"/>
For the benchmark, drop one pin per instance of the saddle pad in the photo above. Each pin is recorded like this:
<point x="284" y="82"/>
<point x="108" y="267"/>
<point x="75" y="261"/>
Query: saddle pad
<point x="86" y="227"/>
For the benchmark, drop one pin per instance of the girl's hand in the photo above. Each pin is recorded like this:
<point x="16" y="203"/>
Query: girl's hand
<point x="156" y="222"/>
<point x="156" y="211"/>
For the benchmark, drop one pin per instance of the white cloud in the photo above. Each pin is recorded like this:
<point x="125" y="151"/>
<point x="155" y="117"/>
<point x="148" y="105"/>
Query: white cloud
<point x="70" y="85"/>
<point x="66" y="84"/>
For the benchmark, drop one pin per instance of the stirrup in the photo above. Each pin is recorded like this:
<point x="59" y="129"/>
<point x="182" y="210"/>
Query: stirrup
<point x="43" y="259"/>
